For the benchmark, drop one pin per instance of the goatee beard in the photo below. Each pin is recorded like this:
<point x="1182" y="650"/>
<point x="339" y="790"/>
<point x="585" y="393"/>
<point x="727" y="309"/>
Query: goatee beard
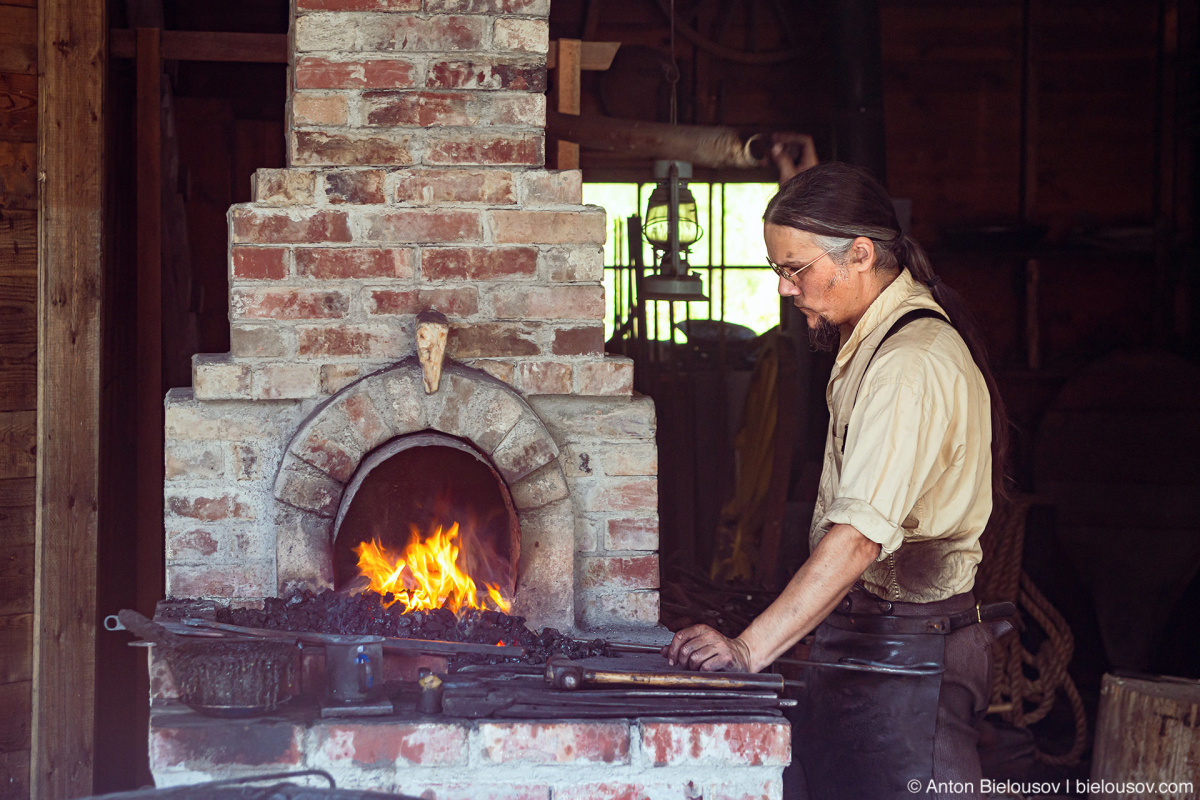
<point x="824" y="335"/>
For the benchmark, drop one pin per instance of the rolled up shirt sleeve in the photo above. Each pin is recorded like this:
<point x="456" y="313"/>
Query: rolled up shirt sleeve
<point x="894" y="438"/>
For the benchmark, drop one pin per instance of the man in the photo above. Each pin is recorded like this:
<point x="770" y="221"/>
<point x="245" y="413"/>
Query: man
<point x="913" y="452"/>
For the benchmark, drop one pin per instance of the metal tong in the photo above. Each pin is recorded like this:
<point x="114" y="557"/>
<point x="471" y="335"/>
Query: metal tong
<point x="191" y="626"/>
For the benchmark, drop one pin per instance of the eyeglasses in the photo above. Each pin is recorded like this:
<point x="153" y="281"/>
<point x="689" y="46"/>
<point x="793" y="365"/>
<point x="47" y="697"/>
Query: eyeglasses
<point x="789" y="275"/>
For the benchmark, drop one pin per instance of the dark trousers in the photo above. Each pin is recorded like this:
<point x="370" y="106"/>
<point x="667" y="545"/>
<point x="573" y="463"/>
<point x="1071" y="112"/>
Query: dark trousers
<point x="962" y="701"/>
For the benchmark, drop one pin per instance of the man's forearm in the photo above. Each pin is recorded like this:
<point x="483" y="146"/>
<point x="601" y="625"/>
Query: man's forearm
<point x="815" y="590"/>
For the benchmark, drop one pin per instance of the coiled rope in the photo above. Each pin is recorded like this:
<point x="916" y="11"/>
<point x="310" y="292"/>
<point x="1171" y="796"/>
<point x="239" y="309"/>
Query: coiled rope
<point x="1027" y="684"/>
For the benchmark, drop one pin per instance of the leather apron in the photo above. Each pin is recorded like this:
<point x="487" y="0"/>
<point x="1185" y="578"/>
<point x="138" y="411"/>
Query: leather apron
<point x="865" y="734"/>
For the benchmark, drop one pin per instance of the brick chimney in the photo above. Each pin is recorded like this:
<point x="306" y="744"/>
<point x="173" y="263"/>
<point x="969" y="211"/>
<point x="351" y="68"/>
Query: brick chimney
<point x="415" y="142"/>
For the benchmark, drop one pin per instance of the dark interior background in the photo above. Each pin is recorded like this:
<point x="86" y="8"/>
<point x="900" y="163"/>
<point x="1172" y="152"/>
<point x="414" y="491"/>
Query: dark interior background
<point x="1060" y="132"/>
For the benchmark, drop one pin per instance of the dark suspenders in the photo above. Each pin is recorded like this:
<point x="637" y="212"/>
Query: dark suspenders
<point x="911" y="316"/>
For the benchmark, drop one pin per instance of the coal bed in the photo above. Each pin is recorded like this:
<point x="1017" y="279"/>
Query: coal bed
<point x="369" y="614"/>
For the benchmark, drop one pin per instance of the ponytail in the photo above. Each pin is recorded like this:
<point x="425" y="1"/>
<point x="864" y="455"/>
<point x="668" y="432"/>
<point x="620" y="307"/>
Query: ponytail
<point x="911" y="255"/>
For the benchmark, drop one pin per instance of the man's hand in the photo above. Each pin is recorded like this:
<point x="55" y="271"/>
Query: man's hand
<point x="702" y="648"/>
<point x="815" y="590"/>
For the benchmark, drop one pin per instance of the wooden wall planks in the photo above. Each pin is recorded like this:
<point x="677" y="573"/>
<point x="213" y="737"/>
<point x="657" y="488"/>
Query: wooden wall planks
<point x="14" y="728"/>
<point x="18" y="242"/>
<point x="18" y="175"/>
<point x="18" y="443"/>
<point x="16" y="634"/>
<point x="18" y="309"/>
<point x="16" y="630"/>
<point x="952" y="104"/>
<point x="18" y="38"/>
<point x="18" y="107"/>
<point x="18" y="384"/>
<point x="14" y="766"/>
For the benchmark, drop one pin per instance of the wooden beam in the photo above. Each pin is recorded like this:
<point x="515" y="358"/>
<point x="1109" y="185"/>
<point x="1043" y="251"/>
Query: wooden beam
<point x="149" y="322"/>
<point x="568" y="83"/>
<point x="261" y="48"/>
<point x="593" y="56"/>
<point x="72" y="37"/>
<point x="567" y="92"/>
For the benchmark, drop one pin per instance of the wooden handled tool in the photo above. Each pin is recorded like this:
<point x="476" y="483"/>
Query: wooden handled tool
<point x="563" y="673"/>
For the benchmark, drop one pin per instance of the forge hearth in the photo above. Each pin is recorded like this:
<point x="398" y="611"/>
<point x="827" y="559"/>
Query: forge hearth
<point x="415" y="196"/>
<point x="255" y="487"/>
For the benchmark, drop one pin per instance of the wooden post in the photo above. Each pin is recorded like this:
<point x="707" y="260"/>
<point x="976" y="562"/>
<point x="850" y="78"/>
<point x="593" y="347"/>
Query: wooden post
<point x="149" y="322"/>
<point x="569" y="57"/>
<point x="569" y="78"/>
<point x="1148" y="731"/>
<point x="72" y="50"/>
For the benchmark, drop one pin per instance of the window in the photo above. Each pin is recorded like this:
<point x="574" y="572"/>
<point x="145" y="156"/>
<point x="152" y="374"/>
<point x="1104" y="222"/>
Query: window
<point x="731" y="215"/>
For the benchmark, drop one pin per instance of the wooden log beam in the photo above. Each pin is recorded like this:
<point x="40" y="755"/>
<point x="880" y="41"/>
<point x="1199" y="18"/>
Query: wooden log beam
<point x="72" y="45"/>
<point x="704" y="146"/>
<point x="260" y="48"/>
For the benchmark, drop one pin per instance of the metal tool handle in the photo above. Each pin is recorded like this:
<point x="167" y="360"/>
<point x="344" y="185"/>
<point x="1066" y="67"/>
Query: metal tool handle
<point x="562" y="673"/>
<point x="147" y="628"/>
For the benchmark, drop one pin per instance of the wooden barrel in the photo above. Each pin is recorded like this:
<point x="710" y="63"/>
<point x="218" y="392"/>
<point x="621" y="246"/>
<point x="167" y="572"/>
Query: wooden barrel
<point x="1147" y="739"/>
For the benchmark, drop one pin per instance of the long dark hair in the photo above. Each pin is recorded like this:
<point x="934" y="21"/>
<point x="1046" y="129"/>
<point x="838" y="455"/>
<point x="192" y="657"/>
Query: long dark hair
<point x="841" y="202"/>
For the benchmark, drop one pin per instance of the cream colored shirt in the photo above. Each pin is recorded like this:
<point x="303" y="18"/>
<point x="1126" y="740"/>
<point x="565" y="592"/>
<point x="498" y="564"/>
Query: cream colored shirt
<point x="917" y="469"/>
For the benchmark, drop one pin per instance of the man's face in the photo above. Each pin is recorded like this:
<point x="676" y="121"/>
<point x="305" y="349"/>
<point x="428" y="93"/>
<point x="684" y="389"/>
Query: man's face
<point x="824" y="292"/>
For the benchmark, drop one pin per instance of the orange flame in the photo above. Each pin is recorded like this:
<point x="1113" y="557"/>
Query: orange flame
<point x="426" y="575"/>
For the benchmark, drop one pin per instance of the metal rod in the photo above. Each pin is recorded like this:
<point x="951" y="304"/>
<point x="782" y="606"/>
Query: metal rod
<point x="390" y="643"/>
<point x="859" y="666"/>
<point x="675" y="269"/>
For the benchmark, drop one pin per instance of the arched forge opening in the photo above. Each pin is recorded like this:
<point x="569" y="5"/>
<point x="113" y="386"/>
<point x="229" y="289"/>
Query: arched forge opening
<point x="412" y="486"/>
